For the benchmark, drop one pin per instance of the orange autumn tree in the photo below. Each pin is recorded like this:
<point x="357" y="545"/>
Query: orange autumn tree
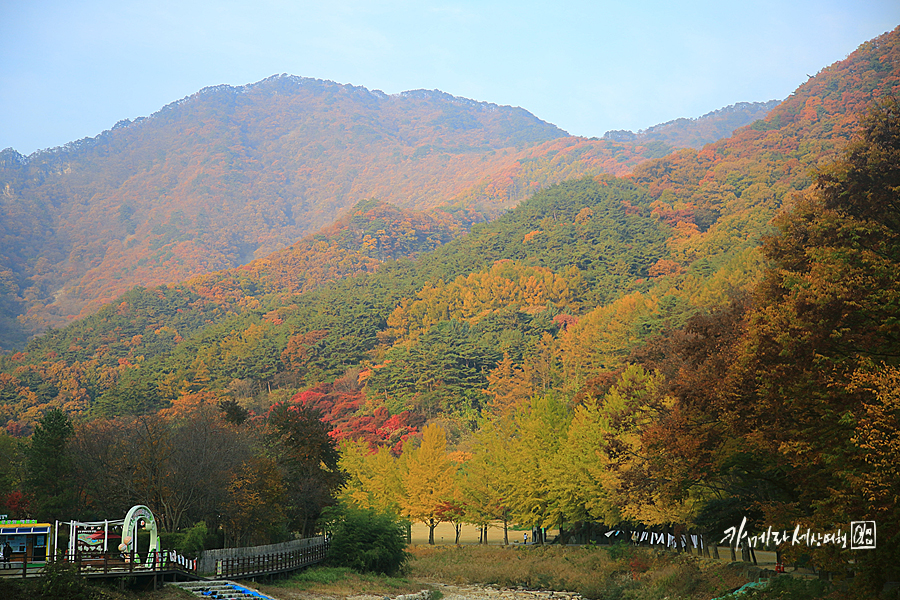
<point x="507" y="386"/>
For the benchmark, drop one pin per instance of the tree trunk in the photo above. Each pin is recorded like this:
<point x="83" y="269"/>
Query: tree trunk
<point x="505" y="532"/>
<point x="431" y="526"/>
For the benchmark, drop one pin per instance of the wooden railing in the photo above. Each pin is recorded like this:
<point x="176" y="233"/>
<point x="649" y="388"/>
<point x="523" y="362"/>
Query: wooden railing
<point x="113" y="564"/>
<point x="249" y="566"/>
<point x="20" y="567"/>
<point x="89" y="564"/>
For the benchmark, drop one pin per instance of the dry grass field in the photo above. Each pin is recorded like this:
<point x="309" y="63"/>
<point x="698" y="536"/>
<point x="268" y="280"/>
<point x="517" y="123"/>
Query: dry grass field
<point x="590" y="571"/>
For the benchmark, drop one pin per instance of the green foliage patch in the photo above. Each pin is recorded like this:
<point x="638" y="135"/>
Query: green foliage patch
<point x="367" y="541"/>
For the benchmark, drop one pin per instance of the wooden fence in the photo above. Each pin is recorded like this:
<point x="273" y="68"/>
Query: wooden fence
<point x="105" y="565"/>
<point x="279" y="562"/>
<point x="167" y="562"/>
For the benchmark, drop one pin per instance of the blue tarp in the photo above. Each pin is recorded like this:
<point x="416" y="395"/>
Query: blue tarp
<point x="249" y="591"/>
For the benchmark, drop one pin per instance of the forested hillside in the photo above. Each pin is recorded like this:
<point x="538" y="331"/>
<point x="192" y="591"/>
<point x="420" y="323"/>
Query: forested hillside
<point x="336" y="326"/>
<point x="712" y="337"/>
<point x="234" y="173"/>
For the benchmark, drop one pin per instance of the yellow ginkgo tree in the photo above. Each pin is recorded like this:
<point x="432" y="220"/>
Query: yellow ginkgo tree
<point x="430" y="479"/>
<point x="374" y="479"/>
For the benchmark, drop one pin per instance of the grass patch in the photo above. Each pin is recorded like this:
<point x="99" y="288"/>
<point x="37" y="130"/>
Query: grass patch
<point x="341" y="581"/>
<point x="790" y="588"/>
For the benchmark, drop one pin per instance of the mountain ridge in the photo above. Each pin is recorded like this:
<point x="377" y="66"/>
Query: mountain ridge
<point x="665" y="131"/>
<point x="262" y="85"/>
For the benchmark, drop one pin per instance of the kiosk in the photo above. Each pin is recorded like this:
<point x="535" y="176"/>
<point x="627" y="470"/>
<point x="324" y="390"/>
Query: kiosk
<point x="28" y="540"/>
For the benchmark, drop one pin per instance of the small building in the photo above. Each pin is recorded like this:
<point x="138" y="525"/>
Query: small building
<point x="28" y="539"/>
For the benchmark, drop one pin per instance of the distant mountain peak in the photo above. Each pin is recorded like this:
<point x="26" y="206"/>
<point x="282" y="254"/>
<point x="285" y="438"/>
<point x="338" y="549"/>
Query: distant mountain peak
<point x="11" y="158"/>
<point x="445" y="97"/>
<point x="697" y="132"/>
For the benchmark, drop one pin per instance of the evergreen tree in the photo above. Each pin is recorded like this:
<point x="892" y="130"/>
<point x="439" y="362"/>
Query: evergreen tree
<point x="49" y="481"/>
<point x="298" y="441"/>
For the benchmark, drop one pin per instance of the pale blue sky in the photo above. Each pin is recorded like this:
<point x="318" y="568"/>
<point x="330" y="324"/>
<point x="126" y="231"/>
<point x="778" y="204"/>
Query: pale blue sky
<point x="70" y="69"/>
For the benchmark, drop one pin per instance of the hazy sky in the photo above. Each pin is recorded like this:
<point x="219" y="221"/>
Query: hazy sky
<point x="70" y="69"/>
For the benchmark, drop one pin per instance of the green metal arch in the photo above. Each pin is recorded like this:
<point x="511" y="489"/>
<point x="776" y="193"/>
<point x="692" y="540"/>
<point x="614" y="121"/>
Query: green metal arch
<point x="129" y="531"/>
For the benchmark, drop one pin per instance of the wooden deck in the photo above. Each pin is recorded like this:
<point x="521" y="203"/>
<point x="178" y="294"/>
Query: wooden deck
<point x="167" y="567"/>
<point x="163" y="567"/>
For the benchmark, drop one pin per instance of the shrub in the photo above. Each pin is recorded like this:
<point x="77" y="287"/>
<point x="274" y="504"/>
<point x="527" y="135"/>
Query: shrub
<point x="171" y="540"/>
<point x="367" y="541"/>
<point x="790" y="588"/>
<point x="60" y="581"/>
<point x="620" y="550"/>
<point x="189" y="542"/>
<point x="194" y="541"/>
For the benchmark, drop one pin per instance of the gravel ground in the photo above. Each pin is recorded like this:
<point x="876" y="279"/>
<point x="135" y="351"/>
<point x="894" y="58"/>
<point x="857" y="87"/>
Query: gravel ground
<point x="476" y="592"/>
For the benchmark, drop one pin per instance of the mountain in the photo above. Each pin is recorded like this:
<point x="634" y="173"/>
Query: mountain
<point x="234" y="173"/>
<point x="228" y="174"/>
<point x="696" y="133"/>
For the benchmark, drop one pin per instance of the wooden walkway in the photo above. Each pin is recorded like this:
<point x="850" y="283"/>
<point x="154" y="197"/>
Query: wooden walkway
<point x="169" y="567"/>
<point x="166" y="567"/>
<point x="18" y="568"/>
<point x="246" y="567"/>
